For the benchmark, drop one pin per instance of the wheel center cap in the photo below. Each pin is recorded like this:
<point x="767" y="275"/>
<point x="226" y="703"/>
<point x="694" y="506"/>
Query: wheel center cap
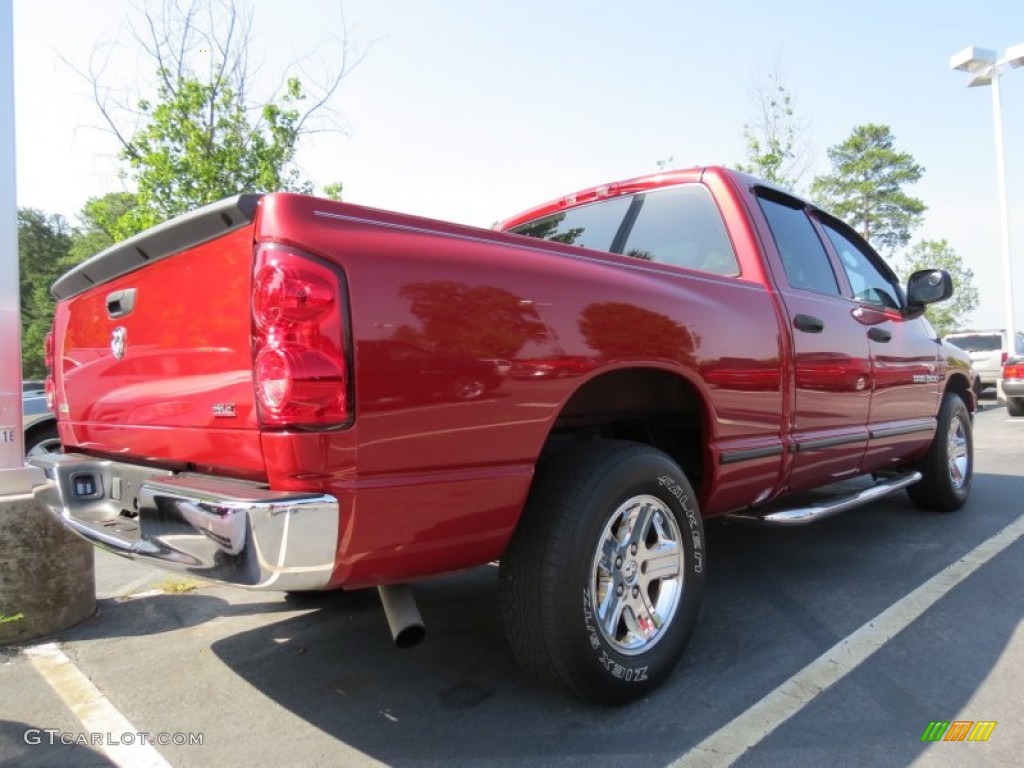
<point x="629" y="571"/>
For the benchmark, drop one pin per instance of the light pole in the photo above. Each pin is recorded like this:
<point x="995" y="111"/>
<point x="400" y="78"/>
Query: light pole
<point x="12" y="456"/>
<point x="986" y="68"/>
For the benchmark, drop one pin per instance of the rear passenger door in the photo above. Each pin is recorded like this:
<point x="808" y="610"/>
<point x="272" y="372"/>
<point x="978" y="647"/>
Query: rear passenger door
<point x="832" y="366"/>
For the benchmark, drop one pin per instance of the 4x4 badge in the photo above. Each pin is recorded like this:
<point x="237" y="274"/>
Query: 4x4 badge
<point x="119" y="341"/>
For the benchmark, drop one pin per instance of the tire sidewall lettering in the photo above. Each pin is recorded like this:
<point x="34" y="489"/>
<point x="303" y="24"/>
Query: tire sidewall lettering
<point x="693" y="523"/>
<point x="614" y="667"/>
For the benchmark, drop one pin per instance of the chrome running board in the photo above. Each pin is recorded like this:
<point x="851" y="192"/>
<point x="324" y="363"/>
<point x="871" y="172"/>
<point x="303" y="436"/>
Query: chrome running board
<point x="814" y="512"/>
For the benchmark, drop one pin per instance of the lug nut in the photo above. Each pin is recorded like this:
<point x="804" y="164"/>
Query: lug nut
<point x="636" y="591"/>
<point x="618" y="562"/>
<point x="618" y="590"/>
<point x="632" y="549"/>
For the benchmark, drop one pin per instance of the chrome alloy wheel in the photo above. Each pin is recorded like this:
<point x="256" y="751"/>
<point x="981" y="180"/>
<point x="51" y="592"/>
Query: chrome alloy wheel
<point x="958" y="456"/>
<point x="637" y="574"/>
<point x="44" y="447"/>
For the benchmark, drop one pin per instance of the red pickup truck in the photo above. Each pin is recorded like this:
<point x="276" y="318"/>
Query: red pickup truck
<point x="289" y="393"/>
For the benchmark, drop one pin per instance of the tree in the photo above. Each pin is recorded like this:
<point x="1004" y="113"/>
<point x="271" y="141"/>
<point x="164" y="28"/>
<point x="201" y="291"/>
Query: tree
<point x="43" y="244"/>
<point x="866" y="185"/>
<point x="102" y="224"/>
<point x="201" y="136"/>
<point x="778" y="150"/>
<point x="948" y="315"/>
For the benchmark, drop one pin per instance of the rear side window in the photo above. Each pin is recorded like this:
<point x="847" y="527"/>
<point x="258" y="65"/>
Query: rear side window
<point x="804" y="258"/>
<point x="680" y="226"/>
<point x="591" y="226"/>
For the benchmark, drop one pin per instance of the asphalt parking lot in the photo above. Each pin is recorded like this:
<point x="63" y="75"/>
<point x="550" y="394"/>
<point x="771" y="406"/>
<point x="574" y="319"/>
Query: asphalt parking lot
<point x="262" y="679"/>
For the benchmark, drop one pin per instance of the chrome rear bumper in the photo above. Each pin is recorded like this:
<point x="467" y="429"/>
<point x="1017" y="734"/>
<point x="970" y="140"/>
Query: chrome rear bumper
<point x="224" y="530"/>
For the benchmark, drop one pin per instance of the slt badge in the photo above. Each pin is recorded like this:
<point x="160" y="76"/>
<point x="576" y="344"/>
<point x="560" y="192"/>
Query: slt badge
<point x="119" y="341"/>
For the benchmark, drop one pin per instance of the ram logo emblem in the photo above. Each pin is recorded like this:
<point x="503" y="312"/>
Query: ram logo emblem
<point x="119" y="341"/>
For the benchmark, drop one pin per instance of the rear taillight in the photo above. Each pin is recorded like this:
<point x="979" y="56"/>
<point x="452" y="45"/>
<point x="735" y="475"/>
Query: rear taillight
<point x="301" y="374"/>
<point x="1004" y="358"/>
<point x="48" y="358"/>
<point x="1014" y="370"/>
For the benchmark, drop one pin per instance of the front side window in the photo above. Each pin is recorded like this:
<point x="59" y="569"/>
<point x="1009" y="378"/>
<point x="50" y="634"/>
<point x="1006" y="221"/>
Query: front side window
<point x="591" y="226"/>
<point x="869" y="282"/>
<point x="803" y="255"/>
<point x="680" y="226"/>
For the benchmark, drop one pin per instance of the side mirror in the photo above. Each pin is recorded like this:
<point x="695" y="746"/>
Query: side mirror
<point x="926" y="287"/>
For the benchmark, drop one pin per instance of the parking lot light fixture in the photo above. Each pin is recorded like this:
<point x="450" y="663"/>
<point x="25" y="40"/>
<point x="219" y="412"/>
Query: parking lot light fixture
<point x="987" y="67"/>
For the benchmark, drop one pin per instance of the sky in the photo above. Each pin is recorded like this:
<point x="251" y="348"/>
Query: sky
<point x="471" y="111"/>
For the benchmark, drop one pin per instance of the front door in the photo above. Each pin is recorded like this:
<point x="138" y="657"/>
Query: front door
<point x="904" y="353"/>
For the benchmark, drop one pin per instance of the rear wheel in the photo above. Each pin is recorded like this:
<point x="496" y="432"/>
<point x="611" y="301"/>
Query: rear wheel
<point x="948" y="467"/>
<point x="602" y="582"/>
<point x="42" y="441"/>
<point x="1015" y="406"/>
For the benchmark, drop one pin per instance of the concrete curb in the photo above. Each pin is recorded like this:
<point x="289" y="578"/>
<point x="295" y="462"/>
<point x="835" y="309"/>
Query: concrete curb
<point x="47" y="574"/>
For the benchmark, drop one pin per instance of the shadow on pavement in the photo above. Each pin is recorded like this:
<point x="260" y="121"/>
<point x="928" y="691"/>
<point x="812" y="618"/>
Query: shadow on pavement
<point x="776" y="599"/>
<point x="27" y="747"/>
<point x="156" y="614"/>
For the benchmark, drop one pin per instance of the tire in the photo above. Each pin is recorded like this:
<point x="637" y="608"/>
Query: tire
<point x="581" y="609"/>
<point x="41" y="441"/>
<point x="948" y="467"/>
<point x="467" y="388"/>
<point x="977" y="388"/>
<point x="1015" y="406"/>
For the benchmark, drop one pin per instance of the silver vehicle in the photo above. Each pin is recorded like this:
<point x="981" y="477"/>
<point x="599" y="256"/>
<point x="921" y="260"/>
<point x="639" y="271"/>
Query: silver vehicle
<point x="989" y="350"/>
<point x="1013" y="386"/>
<point x="40" y="423"/>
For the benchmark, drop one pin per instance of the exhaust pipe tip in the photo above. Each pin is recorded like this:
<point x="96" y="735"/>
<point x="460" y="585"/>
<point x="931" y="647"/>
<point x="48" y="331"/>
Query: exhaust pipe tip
<point x="409" y="637"/>
<point x="404" y="620"/>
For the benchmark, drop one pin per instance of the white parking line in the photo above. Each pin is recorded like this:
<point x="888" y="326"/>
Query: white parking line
<point x="726" y="745"/>
<point x="93" y="710"/>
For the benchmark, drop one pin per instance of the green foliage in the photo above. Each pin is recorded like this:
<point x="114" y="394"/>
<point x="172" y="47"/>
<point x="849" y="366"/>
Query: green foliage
<point x="866" y="186"/>
<point x="196" y="135"/>
<point x="776" y="150"/>
<point x="199" y="146"/>
<point x="43" y="244"/>
<point x="950" y="315"/>
<point x="101" y="225"/>
<point x="332" y="191"/>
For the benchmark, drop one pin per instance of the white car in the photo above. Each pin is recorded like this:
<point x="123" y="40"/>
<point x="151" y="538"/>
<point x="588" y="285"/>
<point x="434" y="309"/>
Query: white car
<point x="989" y="350"/>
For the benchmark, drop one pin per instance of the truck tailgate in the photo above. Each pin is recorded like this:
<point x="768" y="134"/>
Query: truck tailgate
<point x="154" y="362"/>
